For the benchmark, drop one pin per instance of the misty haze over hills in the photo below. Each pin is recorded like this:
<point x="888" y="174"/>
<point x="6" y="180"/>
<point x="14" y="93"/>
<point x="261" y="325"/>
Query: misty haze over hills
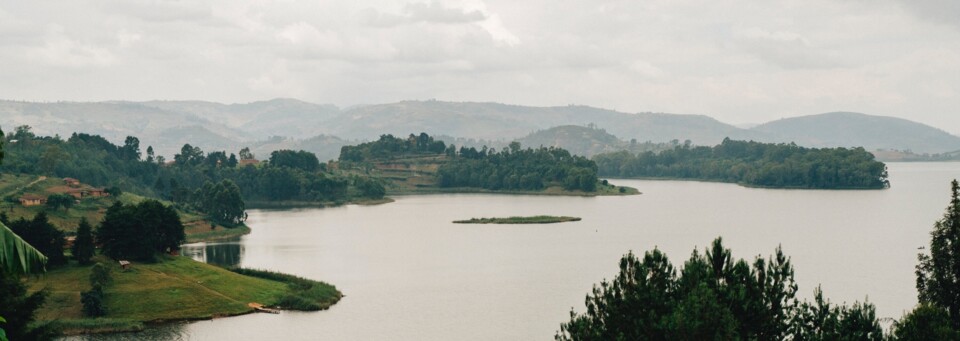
<point x="323" y="129"/>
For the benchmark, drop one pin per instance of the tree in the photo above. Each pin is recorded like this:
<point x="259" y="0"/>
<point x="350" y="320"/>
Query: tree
<point x="925" y="322"/>
<point x="55" y="201"/>
<point x="713" y="298"/>
<point x="52" y="155"/>
<point x="222" y="202"/>
<point x="19" y="310"/>
<point x="42" y="235"/>
<point x="131" y="149"/>
<point x="1" y="145"/>
<point x="245" y="154"/>
<point x="938" y="274"/>
<point x="150" y="154"/>
<point x="83" y="247"/>
<point x="139" y="232"/>
<point x="93" y="300"/>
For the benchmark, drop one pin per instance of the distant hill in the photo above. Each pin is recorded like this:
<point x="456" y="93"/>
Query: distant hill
<point x="288" y="123"/>
<point x="578" y="140"/>
<point x="847" y="129"/>
<point x="276" y="117"/>
<point x="163" y="129"/>
<point x="326" y="147"/>
<point x="587" y="141"/>
<point x="495" y="121"/>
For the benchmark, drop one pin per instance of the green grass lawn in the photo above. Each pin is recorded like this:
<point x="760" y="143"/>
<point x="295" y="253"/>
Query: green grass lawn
<point x="176" y="288"/>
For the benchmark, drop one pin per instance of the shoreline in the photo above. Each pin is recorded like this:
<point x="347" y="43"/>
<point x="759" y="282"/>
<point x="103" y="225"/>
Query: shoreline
<point x="749" y="185"/>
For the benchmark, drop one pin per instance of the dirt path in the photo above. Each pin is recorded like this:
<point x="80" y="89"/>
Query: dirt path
<point x="41" y="178"/>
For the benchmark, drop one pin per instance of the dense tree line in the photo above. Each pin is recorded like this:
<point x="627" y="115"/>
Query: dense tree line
<point x="389" y="146"/>
<point x="41" y="234"/>
<point x="140" y="232"/>
<point x="713" y="297"/>
<point x="514" y="168"/>
<point x="287" y="175"/>
<point x="222" y="202"/>
<point x="753" y="163"/>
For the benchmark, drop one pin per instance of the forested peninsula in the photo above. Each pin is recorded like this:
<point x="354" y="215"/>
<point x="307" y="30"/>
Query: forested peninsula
<point x="753" y="164"/>
<point x="421" y="164"/>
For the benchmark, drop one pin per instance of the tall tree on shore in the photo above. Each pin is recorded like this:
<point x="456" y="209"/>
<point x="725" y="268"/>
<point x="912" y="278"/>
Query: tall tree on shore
<point x="83" y="247"/>
<point x="938" y="274"/>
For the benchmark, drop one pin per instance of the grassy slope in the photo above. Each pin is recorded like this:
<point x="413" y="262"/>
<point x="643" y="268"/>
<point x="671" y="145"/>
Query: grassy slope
<point x="196" y="227"/>
<point x="178" y="288"/>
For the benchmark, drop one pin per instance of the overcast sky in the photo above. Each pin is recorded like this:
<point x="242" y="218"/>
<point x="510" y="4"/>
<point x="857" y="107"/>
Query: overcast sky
<point x="740" y="61"/>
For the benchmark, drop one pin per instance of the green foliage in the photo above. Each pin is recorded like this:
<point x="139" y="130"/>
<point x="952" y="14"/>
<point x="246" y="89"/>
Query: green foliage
<point x="42" y="235"/>
<point x="937" y="280"/>
<point x="83" y="246"/>
<point x="93" y="302"/>
<point x="17" y="255"/>
<point x="755" y="164"/>
<point x="389" y="146"/>
<point x="713" y="298"/>
<point x="301" y="160"/>
<point x="56" y="201"/>
<point x="369" y="188"/>
<point x="925" y="322"/>
<point x="139" y="232"/>
<point x="304" y="294"/>
<point x="19" y="310"/>
<point x="100" y="275"/>
<point x="518" y="169"/>
<point x="222" y="202"/>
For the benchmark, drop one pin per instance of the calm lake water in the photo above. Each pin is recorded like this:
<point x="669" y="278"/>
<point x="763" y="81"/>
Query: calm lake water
<point x="408" y="273"/>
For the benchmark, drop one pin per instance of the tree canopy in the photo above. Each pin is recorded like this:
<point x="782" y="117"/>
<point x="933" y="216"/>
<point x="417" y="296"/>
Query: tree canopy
<point x="938" y="274"/>
<point x="515" y="168"/>
<point x="389" y="146"/>
<point x="713" y="297"/>
<point x="42" y="235"/>
<point x="755" y="164"/>
<point x="140" y="232"/>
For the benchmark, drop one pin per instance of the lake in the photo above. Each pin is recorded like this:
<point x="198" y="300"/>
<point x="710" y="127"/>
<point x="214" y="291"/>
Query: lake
<point x="409" y="273"/>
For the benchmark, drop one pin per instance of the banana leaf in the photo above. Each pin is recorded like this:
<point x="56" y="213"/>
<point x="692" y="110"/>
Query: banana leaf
<point x="17" y="256"/>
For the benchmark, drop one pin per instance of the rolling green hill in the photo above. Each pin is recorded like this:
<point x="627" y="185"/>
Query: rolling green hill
<point x="847" y="129"/>
<point x="495" y="121"/>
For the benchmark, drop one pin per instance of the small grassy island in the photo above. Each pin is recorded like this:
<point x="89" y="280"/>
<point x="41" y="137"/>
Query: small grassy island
<point x="540" y="219"/>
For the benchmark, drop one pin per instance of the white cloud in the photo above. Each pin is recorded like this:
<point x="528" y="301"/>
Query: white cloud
<point x="739" y="60"/>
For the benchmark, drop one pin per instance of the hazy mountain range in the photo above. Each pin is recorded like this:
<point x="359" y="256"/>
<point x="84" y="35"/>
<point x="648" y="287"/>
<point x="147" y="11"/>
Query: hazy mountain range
<point x="287" y="123"/>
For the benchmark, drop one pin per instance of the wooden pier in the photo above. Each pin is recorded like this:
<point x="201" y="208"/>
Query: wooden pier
<point x="259" y="307"/>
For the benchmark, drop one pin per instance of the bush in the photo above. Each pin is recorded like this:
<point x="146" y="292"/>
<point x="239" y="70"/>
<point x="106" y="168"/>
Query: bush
<point x="93" y="302"/>
<point x="100" y="275"/>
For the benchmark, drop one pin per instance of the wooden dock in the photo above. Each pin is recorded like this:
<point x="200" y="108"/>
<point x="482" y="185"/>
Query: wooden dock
<point x="259" y="307"/>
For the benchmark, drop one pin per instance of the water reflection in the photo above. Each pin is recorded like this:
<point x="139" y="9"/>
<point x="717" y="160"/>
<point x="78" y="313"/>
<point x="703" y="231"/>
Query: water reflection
<point x="225" y="254"/>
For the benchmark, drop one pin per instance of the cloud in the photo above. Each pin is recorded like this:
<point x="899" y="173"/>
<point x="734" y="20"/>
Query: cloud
<point x="940" y="11"/>
<point x="737" y="60"/>
<point x="436" y="12"/>
<point x="61" y="50"/>
<point x="788" y="50"/>
<point x="433" y="12"/>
